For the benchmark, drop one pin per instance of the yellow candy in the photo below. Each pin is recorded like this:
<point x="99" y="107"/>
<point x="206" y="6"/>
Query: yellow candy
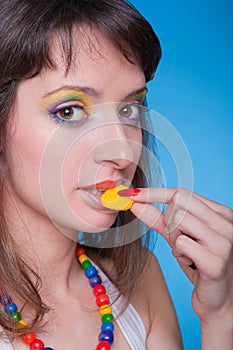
<point x="111" y="200"/>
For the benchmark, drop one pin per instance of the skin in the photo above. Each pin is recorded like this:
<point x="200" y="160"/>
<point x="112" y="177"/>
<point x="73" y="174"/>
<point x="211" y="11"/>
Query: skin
<point x="42" y="234"/>
<point x="199" y="231"/>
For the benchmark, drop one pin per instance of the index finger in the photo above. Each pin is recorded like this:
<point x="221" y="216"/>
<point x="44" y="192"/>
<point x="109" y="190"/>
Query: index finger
<point x="166" y="195"/>
<point x="148" y="195"/>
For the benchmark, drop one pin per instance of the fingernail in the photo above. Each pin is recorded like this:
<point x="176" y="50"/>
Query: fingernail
<point x="130" y="192"/>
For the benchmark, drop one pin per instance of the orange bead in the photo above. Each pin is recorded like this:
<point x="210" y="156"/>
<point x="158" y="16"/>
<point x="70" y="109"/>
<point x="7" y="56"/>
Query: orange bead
<point x="82" y="258"/>
<point x="29" y="338"/>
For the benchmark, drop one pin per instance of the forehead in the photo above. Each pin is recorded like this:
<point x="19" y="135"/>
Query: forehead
<point x="85" y="43"/>
<point x="95" y="61"/>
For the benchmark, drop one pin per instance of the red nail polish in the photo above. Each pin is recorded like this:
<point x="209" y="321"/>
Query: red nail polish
<point x="130" y="192"/>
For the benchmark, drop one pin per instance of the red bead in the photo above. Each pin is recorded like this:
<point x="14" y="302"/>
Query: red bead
<point x="103" y="345"/>
<point x="28" y="338"/>
<point x="79" y="251"/>
<point x="37" y="344"/>
<point x="102" y="300"/>
<point x="99" y="289"/>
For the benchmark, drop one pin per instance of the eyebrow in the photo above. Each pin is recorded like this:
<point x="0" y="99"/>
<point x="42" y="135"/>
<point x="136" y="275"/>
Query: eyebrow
<point x="92" y="92"/>
<point x="137" y="92"/>
<point x="87" y="90"/>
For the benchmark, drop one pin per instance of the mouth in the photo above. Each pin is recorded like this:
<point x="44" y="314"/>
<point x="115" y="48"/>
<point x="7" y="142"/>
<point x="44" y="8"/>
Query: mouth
<point x="92" y="193"/>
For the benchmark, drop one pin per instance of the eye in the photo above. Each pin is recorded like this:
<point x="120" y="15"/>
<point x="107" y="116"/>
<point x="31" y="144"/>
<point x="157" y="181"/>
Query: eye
<point x="126" y="111"/>
<point x="130" y="113"/>
<point x="71" y="113"/>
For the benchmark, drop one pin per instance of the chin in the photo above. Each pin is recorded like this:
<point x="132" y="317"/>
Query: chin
<point x="99" y="223"/>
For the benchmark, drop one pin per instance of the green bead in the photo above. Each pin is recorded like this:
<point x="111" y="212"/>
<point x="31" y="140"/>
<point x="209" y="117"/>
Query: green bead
<point x="107" y="318"/>
<point x="86" y="264"/>
<point x="15" y="316"/>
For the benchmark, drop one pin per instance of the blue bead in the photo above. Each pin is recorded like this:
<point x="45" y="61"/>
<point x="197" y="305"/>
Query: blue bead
<point x="106" y="336"/>
<point x="5" y="299"/>
<point x="11" y="308"/>
<point x="107" y="326"/>
<point x="94" y="280"/>
<point x="48" y="348"/>
<point x="90" y="271"/>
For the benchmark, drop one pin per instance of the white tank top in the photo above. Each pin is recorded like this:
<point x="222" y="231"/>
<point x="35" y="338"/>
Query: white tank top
<point x="129" y="322"/>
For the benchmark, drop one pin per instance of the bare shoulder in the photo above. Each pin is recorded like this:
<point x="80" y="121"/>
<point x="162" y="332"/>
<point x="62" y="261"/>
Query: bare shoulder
<point x="155" y="305"/>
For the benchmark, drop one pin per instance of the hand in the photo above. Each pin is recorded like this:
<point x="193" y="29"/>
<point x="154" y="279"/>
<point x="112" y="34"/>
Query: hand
<point x="199" y="232"/>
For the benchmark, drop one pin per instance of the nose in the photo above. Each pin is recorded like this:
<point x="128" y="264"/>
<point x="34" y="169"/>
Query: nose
<point x="116" y="147"/>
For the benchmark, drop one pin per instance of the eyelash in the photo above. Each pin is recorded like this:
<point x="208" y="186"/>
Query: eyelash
<point x="81" y="107"/>
<point x="70" y="105"/>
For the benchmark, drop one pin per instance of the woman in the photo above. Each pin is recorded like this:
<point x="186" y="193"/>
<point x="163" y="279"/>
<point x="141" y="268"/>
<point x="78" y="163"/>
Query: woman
<point x="73" y="87"/>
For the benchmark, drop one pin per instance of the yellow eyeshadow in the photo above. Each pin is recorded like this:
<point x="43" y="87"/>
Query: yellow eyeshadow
<point x="67" y="95"/>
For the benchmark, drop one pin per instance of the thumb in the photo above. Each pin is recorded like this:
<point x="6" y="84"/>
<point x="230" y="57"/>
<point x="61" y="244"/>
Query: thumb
<point x="151" y="216"/>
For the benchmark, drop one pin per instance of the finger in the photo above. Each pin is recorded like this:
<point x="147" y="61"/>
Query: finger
<point x="217" y="207"/>
<point x="148" y="195"/>
<point x="209" y="265"/>
<point x="165" y="195"/>
<point x="151" y="216"/>
<point x="188" y="224"/>
<point x="202" y="211"/>
<point x="181" y="258"/>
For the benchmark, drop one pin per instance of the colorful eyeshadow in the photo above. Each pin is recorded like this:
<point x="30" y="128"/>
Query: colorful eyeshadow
<point x="53" y="100"/>
<point x="138" y="97"/>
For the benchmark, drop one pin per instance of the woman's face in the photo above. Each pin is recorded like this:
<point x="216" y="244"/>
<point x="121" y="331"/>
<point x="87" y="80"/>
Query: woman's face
<point x="73" y="131"/>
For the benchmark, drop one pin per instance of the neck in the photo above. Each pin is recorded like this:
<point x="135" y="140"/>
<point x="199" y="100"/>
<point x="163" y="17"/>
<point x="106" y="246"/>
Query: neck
<point x="45" y="249"/>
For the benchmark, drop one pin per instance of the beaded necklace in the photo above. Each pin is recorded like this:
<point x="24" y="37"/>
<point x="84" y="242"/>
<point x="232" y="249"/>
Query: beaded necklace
<point x="106" y="335"/>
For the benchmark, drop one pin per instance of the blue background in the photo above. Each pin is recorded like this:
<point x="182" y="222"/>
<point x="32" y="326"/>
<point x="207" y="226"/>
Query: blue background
<point x="193" y="90"/>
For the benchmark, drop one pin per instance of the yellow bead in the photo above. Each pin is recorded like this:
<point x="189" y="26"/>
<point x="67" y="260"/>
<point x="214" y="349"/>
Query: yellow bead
<point x="23" y="323"/>
<point x="105" y="309"/>
<point x="82" y="258"/>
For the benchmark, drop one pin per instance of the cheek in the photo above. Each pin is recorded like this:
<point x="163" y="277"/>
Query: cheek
<point x="24" y="155"/>
<point x="77" y="164"/>
<point x="134" y="134"/>
<point x="25" y="152"/>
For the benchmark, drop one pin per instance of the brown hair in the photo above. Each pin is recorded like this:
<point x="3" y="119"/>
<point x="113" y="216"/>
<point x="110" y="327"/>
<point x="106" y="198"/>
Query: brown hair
<point x="26" y="28"/>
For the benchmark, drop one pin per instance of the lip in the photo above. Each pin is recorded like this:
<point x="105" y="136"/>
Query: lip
<point x="102" y="185"/>
<point x="93" y="200"/>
